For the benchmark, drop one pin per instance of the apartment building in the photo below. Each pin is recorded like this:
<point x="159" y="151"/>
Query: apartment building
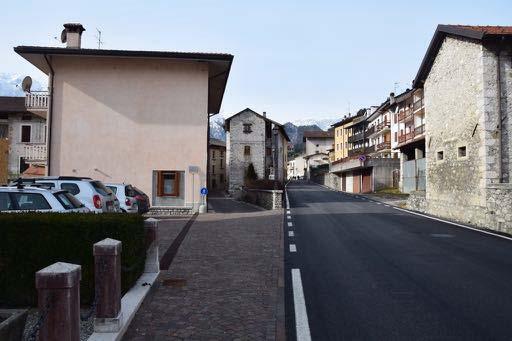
<point x="217" y="165"/>
<point x="317" y="146"/>
<point x="341" y="135"/>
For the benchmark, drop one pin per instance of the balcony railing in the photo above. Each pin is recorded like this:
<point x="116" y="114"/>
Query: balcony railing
<point x="361" y="151"/>
<point x="356" y="137"/>
<point x="382" y="126"/>
<point x="384" y="145"/>
<point x="418" y="105"/>
<point x="419" y="130"/>
<point x="370" y="130"/>
<point x="37" y="100"/>
<point x="405" y="115"/>
<point x="35" y="152"/>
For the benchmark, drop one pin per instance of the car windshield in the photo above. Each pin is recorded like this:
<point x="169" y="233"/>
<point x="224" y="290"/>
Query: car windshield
<point x="100" y="188"/>
<point x="68" y="201"/>
<point x="113" y="189"/>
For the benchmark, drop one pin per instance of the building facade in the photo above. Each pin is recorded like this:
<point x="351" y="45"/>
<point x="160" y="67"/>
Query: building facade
<point x="296" y="167"/>
<point x="466" y="77"/>
<point x="254" y="139"/>
<point x="217" y="165"/>
<point x="24" y="133"/>
<point x="138" y="117"/>
<point x="317" y="145"/>
<point x="341" y="136"/>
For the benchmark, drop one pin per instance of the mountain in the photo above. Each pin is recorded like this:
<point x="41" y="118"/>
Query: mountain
<point x="10" y="84"/>
<point x="322" y="123"/>
<point x="296" y="133"/>
<point x="217" y="128"/>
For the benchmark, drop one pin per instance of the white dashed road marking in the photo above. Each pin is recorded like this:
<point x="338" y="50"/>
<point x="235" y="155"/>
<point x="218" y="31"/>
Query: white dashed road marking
<point x="290" y="224"/>
<point x="293" y="248"/>
<point x="291" y="234"/>
<point x="299" y="304"/>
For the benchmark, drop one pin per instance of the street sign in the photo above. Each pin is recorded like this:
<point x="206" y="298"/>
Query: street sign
<point x="362" y="158"/>
<point x="204" y="191"/>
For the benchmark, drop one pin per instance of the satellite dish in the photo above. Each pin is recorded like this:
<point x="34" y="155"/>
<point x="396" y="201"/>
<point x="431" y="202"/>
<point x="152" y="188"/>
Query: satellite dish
<point x="63" y="36"/>
<point x="26" y="84"/>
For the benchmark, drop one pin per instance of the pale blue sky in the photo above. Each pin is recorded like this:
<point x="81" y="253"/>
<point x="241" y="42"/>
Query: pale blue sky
<point x="293" y="59"/>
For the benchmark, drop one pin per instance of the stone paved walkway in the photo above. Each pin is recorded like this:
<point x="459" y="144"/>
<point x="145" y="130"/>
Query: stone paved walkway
<point x="225" y="282"/>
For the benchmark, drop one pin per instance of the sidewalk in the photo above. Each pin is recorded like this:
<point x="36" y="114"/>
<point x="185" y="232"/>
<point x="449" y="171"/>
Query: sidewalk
<point x="224" y="283"/>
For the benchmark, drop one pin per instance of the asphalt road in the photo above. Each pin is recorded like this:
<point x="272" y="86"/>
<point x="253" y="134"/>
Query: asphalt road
<point x="371" y="272"/>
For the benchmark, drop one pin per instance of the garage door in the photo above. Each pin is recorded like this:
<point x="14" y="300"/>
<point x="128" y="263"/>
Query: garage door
<point x="367" y="180"/>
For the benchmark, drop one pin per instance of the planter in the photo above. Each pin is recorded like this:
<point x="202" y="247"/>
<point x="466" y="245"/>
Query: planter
<point x="12" y="324"/>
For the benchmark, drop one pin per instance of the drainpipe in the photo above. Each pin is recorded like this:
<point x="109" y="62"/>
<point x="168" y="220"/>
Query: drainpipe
<point x="207" y="162"/>
<point x="499" y="128"/>
<point x="49" y="119"/>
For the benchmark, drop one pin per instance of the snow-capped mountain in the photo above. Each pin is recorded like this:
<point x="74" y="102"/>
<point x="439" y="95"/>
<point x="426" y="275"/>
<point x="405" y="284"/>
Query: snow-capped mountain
<point x="217" y="128"/>
<point x="10" y="84"/>
<point x="323" y="123"/>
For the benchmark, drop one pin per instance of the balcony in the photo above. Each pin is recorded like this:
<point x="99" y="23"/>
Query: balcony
<point x="418" y="105"/>
<point x="37" y="100"/>
<point x="370" y="130"/>
<point x="383" y="146"/>
<point x="35" y="153"/>
<point x="356" y="137"/>
<point x="419" y="130"/>
<point x="383" y="126"/>
<point x="405" y="115"/>
<point x="361" y="151"/>
<point x="413" y="134"/>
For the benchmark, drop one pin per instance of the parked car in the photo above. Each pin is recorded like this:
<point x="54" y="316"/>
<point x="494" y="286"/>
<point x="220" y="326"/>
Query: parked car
<point x="126" y="196"/>
<point x="22" y="198"/>
<point x="142" y="200"/>
<point x="92" y="193"/>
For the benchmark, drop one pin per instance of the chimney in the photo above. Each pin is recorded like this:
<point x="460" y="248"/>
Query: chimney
<point x="392" y="98"/>
<point x="264" y="114"/>
<point x="72" y="35"/>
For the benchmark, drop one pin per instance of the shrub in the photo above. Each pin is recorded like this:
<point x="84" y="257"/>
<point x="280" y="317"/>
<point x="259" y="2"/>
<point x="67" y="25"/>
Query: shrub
<point x="264" y="184"/>
<point x="250" y="173"/>
<point x="32" y="241"/>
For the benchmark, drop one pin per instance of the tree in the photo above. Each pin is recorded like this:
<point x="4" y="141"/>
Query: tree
<point x="250" y="173"/>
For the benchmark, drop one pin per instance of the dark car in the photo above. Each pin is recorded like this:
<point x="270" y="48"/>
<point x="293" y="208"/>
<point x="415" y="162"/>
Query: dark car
<point x="142" y="200"/>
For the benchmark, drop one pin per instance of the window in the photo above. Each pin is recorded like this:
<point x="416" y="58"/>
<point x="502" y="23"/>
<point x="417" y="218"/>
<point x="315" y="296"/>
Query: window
<point x="318" y="145"/>
<point x="31" y="201"/>
<point x="221" y="153"/>
<point x="113" y="189"/>
<point x="4" y="130"/>
<point x="213" y="154"/>
<point x="247" y="150"/>
<point x="100" y="188"/>
<point x="221" y="164"/>
<point x="47" y="185"/>
<point x="461" y="152"/>
<point x="68" y="201"/>
<point x="129" y="191"/>
<point x="440" y="155"/>
<point x="5" y="202"/>
<point x="70" y="187"/>
<point x="26" y="132"/>
<point x="213" y="169"/>
<point x="168" y="184"/>
<point x="247" y="128"/>
<point x="396" y="136"/>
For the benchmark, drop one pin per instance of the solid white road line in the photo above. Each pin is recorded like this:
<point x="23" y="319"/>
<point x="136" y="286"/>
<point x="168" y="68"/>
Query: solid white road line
<point x="291" y="234"/>
<point x="293" y="248"/>
<point x="452" y="223"/>
<point x="299" y="304"/>
<point x="290" y="224"/>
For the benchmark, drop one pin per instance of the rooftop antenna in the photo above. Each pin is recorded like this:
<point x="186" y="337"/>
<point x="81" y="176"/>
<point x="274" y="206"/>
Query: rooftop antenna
<point x="98" y="37"/>
<point x="348" y="107"/>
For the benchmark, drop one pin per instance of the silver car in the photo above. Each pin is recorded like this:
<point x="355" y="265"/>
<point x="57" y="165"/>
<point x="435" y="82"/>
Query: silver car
<point x="126" y="196"/>
<point x="92" y="193"/>
<point x="36" y="199"/>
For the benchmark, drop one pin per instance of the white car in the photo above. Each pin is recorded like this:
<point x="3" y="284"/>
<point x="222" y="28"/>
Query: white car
<point x="126" y="196"/>
<point x="23" y="199"/>
<point x="92" y="193"/>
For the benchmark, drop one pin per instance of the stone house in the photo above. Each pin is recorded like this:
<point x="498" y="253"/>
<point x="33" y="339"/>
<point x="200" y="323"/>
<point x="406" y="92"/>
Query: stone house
<point x="25" y="135"/>
<point x="138" y="117"/>
<point x="254" y="138"/>
<point x="466" y="77"/>
<point x="217" y="165"/>
<point x="317" y="145"/>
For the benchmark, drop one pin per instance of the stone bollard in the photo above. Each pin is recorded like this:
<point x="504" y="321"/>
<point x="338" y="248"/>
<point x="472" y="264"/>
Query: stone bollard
<point x="58" y="294"/>
<point x="152" y="257"/>
<point x="107" y="282"/>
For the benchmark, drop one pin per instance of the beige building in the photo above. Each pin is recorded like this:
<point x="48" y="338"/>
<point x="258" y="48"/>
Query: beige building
<point x="139" y="117"/>
<point x="466" y="77"/>
<point x="217" y="164"/>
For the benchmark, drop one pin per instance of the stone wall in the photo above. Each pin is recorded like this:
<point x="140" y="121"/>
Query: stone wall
<point x="268" y="199"/>
<point x="462" y="120"/>
<point x="237" y="140"/>
<point x="417" y="201"/>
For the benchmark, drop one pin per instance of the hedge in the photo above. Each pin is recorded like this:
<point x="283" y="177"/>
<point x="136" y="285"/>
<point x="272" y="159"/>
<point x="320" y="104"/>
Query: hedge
<point x="32" y="241"/>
